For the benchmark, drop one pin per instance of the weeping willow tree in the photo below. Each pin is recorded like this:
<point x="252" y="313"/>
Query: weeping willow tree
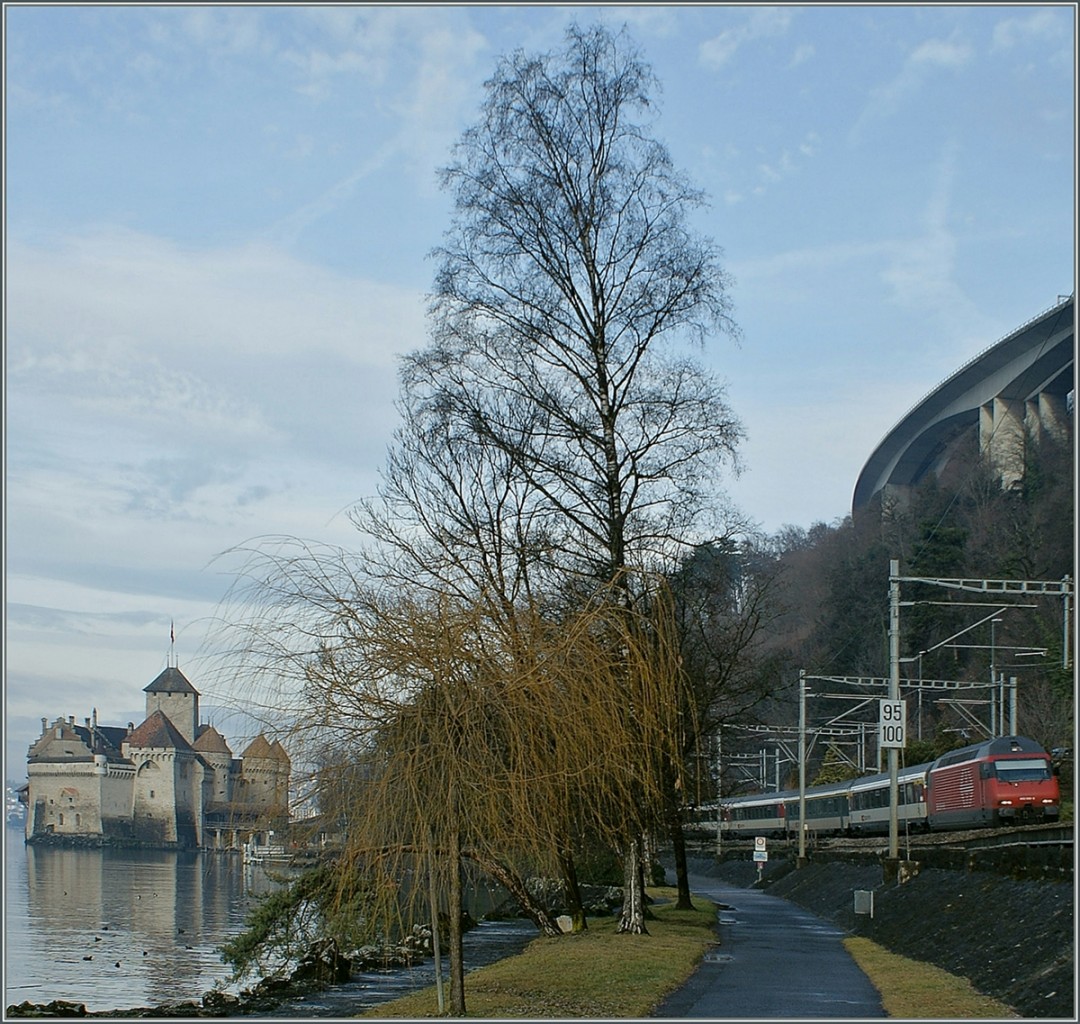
<point x="456" y="741"/>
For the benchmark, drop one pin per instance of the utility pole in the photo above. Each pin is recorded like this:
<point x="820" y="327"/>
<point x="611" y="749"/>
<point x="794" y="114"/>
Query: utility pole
<point x="802" y="766"/>
<point x="719" y="789"/>
<point x="894" y="694"/>
<point x="997" y="713"/>
<point x="1066" y="653"/>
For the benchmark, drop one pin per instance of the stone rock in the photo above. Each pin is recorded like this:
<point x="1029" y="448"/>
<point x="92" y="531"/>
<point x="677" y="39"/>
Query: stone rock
<point x="215" y="999"/>
<point x="323" y="962"/>
<point x="56" y="1008"/>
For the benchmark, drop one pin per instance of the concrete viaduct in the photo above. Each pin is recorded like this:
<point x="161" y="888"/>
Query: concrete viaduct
<point x="1023" y="383"/>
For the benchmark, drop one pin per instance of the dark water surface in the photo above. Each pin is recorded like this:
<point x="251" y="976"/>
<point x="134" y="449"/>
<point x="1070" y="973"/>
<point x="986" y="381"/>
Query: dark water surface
<point x="119" y="928"/>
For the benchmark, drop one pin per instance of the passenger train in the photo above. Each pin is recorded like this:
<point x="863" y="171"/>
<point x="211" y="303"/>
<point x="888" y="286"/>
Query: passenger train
<point x="1007" y="780"/>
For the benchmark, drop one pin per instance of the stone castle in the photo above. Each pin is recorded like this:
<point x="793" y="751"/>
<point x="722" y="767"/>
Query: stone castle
<point x="170" y="782"/>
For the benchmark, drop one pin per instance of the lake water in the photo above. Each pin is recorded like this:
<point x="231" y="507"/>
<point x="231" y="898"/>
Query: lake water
<point x="120" y="928"/>
<point x="117" y="928"/>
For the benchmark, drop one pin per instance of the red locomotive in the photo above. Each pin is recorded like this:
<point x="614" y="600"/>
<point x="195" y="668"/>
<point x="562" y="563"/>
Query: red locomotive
<point x="1002" y="781"/>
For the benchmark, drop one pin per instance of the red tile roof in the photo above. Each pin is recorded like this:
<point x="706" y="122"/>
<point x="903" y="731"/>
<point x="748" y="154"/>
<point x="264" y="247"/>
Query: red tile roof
<point x="157" y="731"/>
<point x="210" y="741"/>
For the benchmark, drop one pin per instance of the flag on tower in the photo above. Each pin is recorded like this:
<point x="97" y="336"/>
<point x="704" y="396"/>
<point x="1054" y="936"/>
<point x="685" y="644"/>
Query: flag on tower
<point x="172" y="633"/>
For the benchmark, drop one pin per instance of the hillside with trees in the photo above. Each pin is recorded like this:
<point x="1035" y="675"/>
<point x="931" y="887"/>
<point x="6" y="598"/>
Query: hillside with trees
<point x="830" y="595"/>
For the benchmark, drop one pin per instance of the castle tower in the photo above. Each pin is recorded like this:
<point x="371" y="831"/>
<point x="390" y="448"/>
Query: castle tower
<point x="213" y="749"/>
<point x="264" y="776"/>
<point x="168" y="787"/>
<point x="177" y="699"/>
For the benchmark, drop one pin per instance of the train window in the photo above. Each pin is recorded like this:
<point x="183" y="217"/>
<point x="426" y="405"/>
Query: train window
<point x="1022" y="770"/>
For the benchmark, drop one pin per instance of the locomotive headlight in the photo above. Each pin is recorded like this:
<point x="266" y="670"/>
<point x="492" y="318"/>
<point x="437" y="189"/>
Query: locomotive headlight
<point x="1047" y="800"/>
<point x="1005" y="803"/>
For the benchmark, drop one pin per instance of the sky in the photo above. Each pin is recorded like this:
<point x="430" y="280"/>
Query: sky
<point x="217" y="225"/>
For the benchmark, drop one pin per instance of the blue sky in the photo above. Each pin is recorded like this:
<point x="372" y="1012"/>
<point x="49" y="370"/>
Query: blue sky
<point x="217" y="223"/>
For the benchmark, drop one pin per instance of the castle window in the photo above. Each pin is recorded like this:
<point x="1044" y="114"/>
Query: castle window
<point x="78" y="820"/>
<point x="61" y="818"/>
<point x="151" y="794"/>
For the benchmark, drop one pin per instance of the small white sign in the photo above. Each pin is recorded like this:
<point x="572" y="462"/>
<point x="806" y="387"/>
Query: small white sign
<point x="760" y="856"/>
<point x="892" y="724"/>
<point x="759" y="842"/>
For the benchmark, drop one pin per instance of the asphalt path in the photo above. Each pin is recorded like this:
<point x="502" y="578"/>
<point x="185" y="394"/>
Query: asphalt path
<point x="775" y="961"/>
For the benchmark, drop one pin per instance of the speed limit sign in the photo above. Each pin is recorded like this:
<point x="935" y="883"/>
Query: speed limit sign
<point x="759" y="842"/>
<point x="892" y="724"/>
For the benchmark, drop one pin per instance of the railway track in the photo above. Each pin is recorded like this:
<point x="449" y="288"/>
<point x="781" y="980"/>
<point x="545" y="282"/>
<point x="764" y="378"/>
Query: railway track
<point x="974" y="838"/>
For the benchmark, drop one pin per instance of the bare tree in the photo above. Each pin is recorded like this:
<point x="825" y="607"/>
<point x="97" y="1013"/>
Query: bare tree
<point x="566" y="280"/>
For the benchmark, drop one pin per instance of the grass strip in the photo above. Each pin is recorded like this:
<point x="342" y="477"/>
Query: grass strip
<point x="913" y="990"/>
<point x="595" y="973"/>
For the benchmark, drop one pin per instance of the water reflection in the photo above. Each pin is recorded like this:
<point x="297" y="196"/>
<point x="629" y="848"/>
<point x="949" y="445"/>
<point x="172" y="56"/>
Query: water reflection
<point x="116" y="928"/>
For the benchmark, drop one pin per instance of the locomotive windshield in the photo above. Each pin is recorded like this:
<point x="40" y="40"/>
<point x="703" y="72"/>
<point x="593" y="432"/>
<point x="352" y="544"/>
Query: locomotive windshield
<point x="1022" y="770"/>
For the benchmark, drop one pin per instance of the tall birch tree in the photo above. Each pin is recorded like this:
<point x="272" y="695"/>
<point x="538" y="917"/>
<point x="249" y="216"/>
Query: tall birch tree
<point x="569" y="285"/>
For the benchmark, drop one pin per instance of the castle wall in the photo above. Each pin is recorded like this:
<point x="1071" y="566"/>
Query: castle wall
<point x="117" y="795"/>
<point x="66" y="798"/>
<point x="117" y="785"/>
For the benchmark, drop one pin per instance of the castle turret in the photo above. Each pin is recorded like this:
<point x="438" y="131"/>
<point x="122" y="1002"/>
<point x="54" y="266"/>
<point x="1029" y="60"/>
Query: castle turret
<point x="177" y="699"/>
<point x="213" y="749"/>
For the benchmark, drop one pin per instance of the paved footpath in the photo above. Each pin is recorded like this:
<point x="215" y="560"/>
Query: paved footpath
<point x="775" y="961"/>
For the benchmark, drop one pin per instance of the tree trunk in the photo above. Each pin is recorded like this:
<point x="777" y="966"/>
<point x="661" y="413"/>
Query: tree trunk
<point x="457" y="952"/>
<point x="682" y="878"/>
<point x="632" y="920"/>
<point x="574" y="906"/>
<point x="512" y="883"/>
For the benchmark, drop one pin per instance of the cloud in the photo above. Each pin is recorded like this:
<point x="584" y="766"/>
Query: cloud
<point x="164" y="404"/>
<point x="940" y="53"/>
<point x="778" y="168"/>
<point x="762" y="23"/>
<point x="922" y="271"/>
<point x="440" y="93"/>
<point x="803" y="53"/>
<point x="214" y="31"/>
<point x="1042" y="26"/>
<point x="287" y="231"/>
<point x="921" y="63"/>
<point x="426" y="71"/>
<point x="921" y="274"/>
<point x="131" y="292"/>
